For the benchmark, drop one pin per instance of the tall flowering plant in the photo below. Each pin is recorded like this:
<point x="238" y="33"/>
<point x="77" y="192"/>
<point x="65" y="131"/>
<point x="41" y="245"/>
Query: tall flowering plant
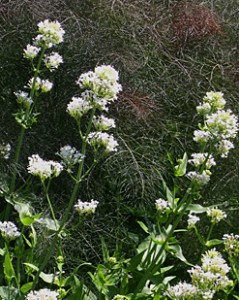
<point x="22" y="269"/>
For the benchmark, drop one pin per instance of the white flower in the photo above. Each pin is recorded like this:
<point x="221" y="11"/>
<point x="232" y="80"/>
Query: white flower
<point x="192" y="220"/>
<point x="9" y="230"/>
<point x="161" y="205"/>
<point x="23" y="98"/>
<point x="182" y="291"/>
<point x="103" y="123"/>
<point x="51" y="34"/>
<point x="107" y="72"/>
<point x="222" y="124"/>
<point x="216" y="215"/>
<point x="204" y="108"/>
<point x="70" y="157"/>
<point x="231" y="243"/>
<point x="102" y="82"/>
<point x="42" y="168"/>
<point x="78" y="106"/>
<point x="31" y="52"/>
<point x="53" y="61"/>
<point x="224" y="146"/>
<point x="201" y="136"/>
<point x="5" y="150"/>
<point x="200" y="158"/>
<point x="103" y="138"/>
<point x="86" y="207"/>
<point x="46" y="85"/>
<point x="37" y="83"/>
<point x="213" y="262"/>
<point x="43" y="294"/>
<point x="215" y="99"/>
<point x="199" y="178"/>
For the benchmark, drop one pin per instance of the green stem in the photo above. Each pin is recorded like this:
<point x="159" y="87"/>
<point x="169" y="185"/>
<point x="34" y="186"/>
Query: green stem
<point x="70" y="205"/>
<point x="46" y="189"/>
<point x="21" y="137"/>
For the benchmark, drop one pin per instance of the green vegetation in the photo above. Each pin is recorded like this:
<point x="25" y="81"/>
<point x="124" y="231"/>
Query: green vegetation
<point x="169" y="54"/>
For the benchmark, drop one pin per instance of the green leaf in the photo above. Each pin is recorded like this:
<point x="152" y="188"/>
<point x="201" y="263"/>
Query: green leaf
<point x="143" y="226"/>
<point x="8" y="267"/>
<point x="48" y="278"/>
<point x="2" y="252"/>
<point x="213" y="242"/>
<point x="197" y="208"/>
<point x="33" y="267"/>
<point x="181" y="168"/>
<point x="26" y="287"/>
<point x="176" y="250"/>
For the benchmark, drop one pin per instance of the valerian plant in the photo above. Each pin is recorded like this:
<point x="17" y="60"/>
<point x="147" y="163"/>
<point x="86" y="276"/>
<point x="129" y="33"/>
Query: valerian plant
<point x="22" y="270"/>
<point x="24" y="275"/>
<point x="145" y="275"/>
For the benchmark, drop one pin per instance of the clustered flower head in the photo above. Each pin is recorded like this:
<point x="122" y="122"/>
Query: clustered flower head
<point x="78" y="107"/>
<point x="103" y="82"/>
<point x="161" y="205"/>
<point x="86" y="207"/>
<point x="220" y="126"/>
<point x="70" y="157"/>
<point x="207" y="279"/>
<point x="231" y="244"/>
<point x="53" y="61"/>
<point x="24" y="99"/>
<point x="43" y="294"/>
<point x="9" y="230"/>
<point x="50" y="34"/>
<point x="192" y="220"/>
<point x="43" y="168"/>
<point x="5" y="150"/>
<point x="216" y="215"/>
<point x="103" y="123"/>
<point x="182" y="291"/>
<point x="43" y="85"/>
<point x="99" y="138"/>
<point x="31" y="52"/>
<point x="199" y="178"/>
<point x="199" y="159"/>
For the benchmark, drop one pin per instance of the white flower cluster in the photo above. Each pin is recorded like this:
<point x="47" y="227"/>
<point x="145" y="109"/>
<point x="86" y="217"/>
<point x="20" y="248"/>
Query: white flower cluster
<point x="199" y="159"/>
<point x="9" y="230"/>
<point x="50" y="34"/>
<point x="23" y="98"/>
<point x="53" y="61"/>
<point x="103" y="82"/>
<point x="86" y="207"/>
<point x="216" y="215"/>
<point x="161" y="205"/>
<point x="43" y="168"/>
<point x="96" y="139"/>
<point x="31" y="52"/>
<point x="78" y="107"/>
<point x="199" y="178"/>
<point x="70" y="157"/>
<point x="43" y="85"/>
<point x="5" y="150"/>
<point x="207" y="279"/>
<point x="182" y="291"/>
<point x="192" y="220"/>
<point x="219" y="126"/>
<point x="212" y="275"/>
<point x="43" y="294"/>
<point x="231" y="243"/>
<point x="103" y="123"/>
